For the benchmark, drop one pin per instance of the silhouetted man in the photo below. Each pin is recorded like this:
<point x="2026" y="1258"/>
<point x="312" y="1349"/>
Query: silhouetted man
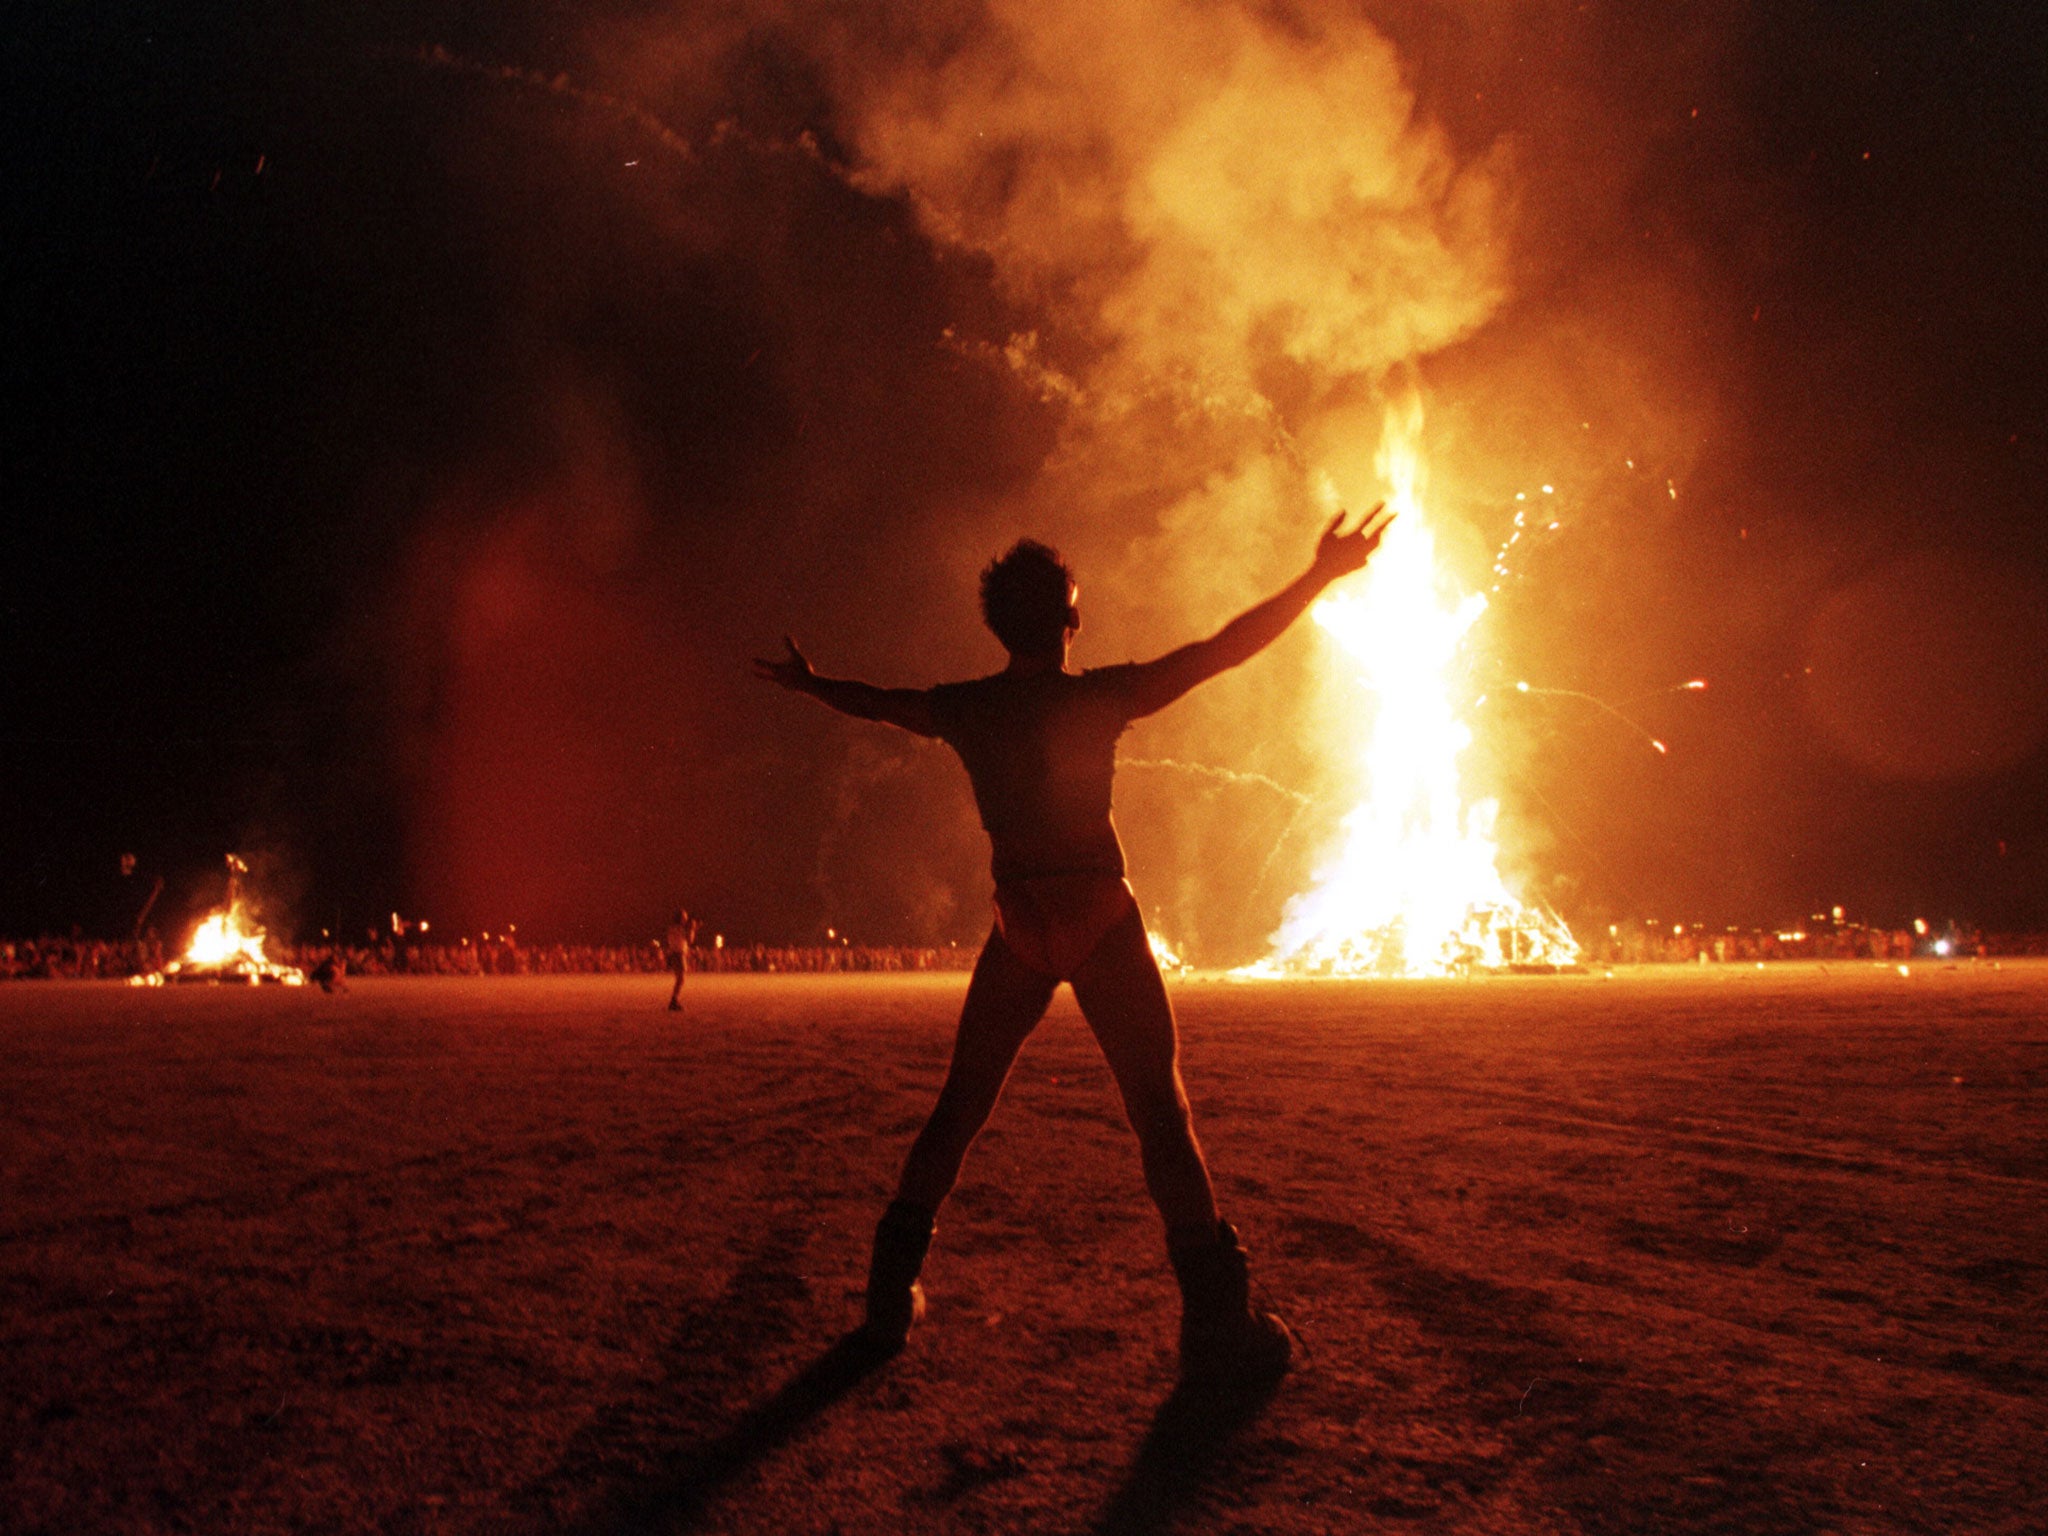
<point x="682" y="933"/>
<point x="1039" y="745"/>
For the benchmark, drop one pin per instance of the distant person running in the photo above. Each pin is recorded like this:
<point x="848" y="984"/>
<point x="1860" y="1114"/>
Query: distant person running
<point x="682" y="933"/>
<point x="1039" y="745"/>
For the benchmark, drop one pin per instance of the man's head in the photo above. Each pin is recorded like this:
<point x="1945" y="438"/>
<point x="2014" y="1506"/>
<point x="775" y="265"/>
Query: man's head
<point x="1027" y="597"/>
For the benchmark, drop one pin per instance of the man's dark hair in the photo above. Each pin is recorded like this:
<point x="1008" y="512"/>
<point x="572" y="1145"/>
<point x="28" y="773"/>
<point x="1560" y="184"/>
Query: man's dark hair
<point x="1024" y="597"/>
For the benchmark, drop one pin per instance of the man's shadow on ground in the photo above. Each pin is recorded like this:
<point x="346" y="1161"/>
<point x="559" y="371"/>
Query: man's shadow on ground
<point x="1188" y="1445"/>
<point x="676" y="1499"/>
<point x="1183" y="1453"/>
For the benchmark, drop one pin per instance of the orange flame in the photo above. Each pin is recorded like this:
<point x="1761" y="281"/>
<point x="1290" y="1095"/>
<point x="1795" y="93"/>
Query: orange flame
<point x="1415" y="887"/>
<point x="223" y="938"/>
<point x="1164" y="953"/>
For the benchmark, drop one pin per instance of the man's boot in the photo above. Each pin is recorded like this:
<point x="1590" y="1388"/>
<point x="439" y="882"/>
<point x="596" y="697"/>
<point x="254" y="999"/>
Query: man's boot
<point x="895" y="1299"/>
<point x="1224" y="1341"/>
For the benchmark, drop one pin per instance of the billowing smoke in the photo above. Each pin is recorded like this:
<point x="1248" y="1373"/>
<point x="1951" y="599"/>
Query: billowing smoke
<point x="1210" y="194"/>
<point x="806" y="310"/>
<point x="1234" y="236"/>
<point x="789" y="315"/>
<point x="424" y="413"/>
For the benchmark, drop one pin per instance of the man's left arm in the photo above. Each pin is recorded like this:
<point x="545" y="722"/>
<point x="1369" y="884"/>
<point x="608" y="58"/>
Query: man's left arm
<point x="1160" y="682"/>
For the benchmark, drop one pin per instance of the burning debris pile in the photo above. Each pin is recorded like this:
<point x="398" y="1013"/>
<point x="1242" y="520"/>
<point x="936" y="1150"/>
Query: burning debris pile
<point x="1511" y="938"/>
<point x="227" y="946"/>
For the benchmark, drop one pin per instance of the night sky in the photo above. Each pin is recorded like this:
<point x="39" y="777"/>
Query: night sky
<point x="417" y="419"/>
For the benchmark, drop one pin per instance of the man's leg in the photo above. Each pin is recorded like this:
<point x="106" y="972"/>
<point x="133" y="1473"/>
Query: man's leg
<point x="1124" y="1000"/>
<point x="1224" y="1342"/>
<point x="1005" y="1001"/>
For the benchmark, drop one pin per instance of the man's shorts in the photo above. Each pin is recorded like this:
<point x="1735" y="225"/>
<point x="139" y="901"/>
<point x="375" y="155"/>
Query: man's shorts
<point x="1054" y="922"/>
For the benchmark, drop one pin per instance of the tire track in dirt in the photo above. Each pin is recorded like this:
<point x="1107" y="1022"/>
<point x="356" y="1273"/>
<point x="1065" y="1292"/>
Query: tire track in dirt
<point x="1510" y="1369"/>
<point x="242" y="1204"/>
<point x="1676" y="1316"/>
<point x="1540" y="1112"/>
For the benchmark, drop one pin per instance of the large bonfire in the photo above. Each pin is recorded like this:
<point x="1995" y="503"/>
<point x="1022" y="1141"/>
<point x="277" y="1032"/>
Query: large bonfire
<point x="1415" y="887"/>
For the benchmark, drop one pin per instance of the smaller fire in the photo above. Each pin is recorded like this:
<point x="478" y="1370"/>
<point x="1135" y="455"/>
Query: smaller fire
<point x="1169" y="959"/>
<point x="227" y="946"/>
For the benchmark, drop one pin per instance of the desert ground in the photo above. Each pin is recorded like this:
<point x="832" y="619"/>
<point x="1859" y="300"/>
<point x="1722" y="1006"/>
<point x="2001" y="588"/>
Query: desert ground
<point x="1701" y="1250"/>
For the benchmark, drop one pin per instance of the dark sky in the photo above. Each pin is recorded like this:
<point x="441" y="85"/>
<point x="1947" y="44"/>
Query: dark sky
<point x="402" y="461"/>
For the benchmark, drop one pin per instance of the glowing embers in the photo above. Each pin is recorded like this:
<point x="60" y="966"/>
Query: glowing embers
<point x="1415" y="887"/>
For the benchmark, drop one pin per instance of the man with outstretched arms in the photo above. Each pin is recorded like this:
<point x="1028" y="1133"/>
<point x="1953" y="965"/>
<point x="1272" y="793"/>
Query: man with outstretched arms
<point x="1039" y="743"/>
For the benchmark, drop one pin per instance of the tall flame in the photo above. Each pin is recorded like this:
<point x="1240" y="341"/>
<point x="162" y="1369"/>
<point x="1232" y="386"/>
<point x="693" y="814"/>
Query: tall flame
<point x="1415" y="888"/>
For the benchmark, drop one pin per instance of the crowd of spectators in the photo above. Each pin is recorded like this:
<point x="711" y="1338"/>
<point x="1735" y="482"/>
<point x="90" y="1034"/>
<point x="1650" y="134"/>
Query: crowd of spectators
<point x="506" y="957"/>
<point x="78" y="957"/>
<point x="75" y="958"/>
<point x="1826" y="937"/>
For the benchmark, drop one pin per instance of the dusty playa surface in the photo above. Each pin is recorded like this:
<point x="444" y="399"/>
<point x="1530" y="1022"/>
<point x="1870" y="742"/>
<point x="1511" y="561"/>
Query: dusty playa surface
<point x="1722" y="1251"/>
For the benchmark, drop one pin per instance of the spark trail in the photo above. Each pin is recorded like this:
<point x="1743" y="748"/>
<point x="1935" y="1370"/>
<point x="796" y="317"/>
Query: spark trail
<point x="623" y="108"/>
<point x="1694" y="685"/>
<point x="1221" y="775"/>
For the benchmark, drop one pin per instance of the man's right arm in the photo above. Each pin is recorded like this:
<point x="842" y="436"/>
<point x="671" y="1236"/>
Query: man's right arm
<point x="908" y="708"/>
